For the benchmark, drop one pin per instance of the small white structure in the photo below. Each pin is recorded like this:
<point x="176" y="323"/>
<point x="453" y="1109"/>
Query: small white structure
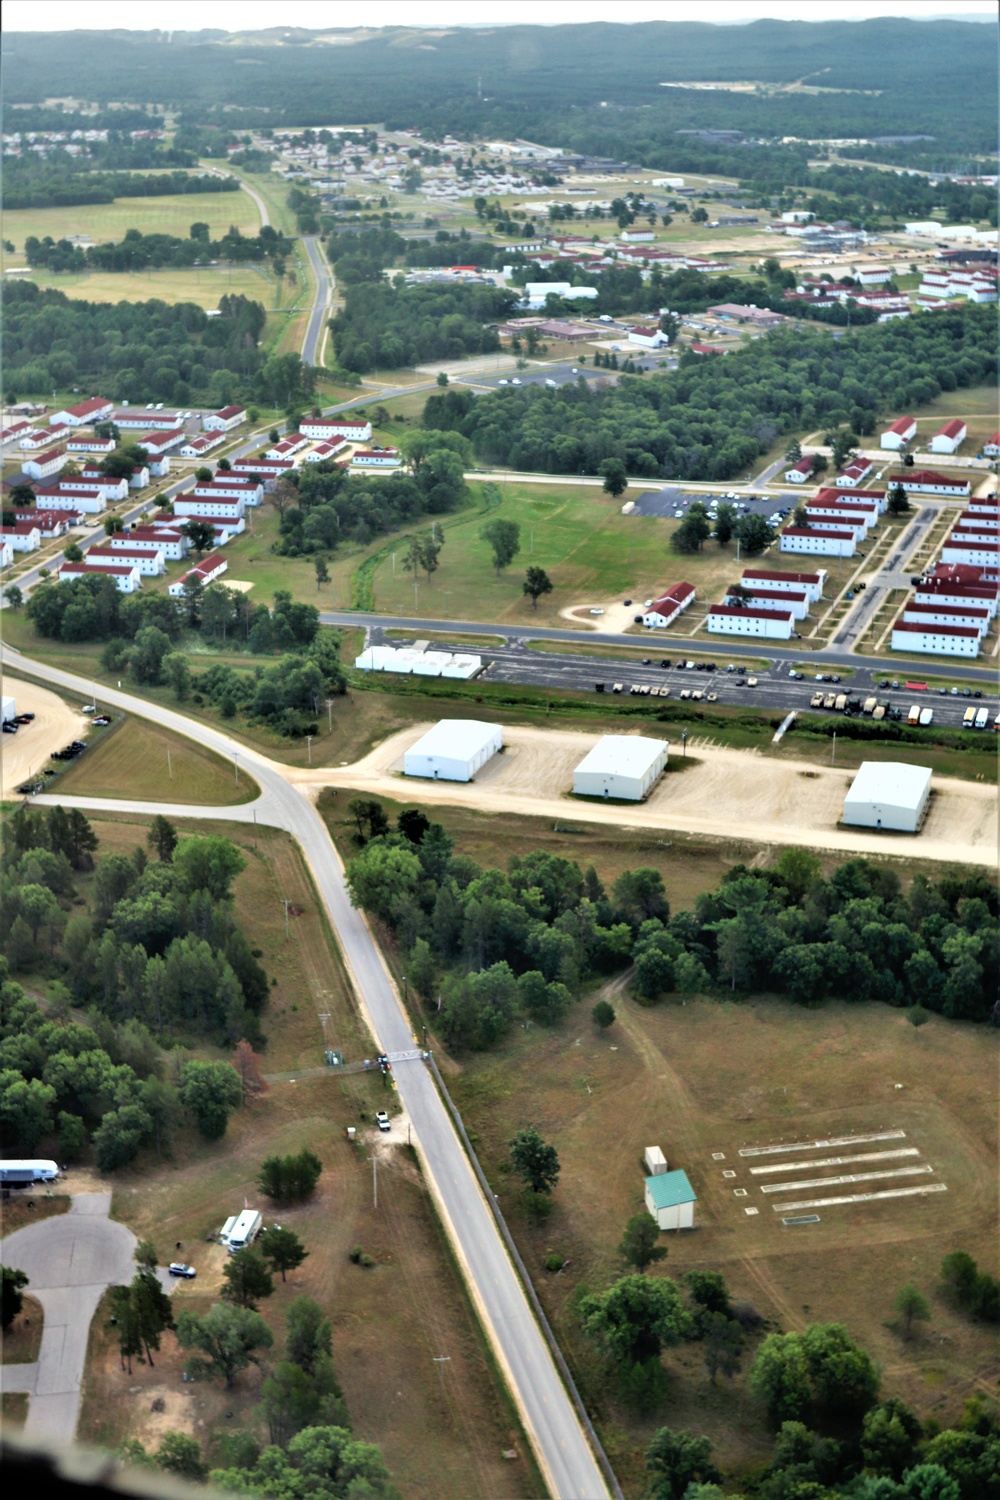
<point x="648" y="338"/>
<point x="800" y="471"/>
<point x="902" y="431"/>
<point x="664" y="610"/>
<point x="245" y="1230"/>
<point x="376" y="458"/>
<point x="624" y="766"/>
<point x="8" y="709"/>
<point x="854" y="474"/>
<point x="223" y="420"/>
<point x="670" y="1199"/>
<point x="454" y="750"/>
<point x="656" y="1162"/>
<point x="950" y="438"/>
<point x="888" y="794"/>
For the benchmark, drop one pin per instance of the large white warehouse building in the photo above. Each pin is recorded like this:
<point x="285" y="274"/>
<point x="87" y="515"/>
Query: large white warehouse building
<point x="624" y="766"/>
<point x="454" y="750"/>
<point x="888" y="794"/>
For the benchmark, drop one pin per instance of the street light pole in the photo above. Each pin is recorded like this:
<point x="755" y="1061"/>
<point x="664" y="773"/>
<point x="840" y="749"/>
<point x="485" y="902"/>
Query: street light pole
<point x="309" y="747"/>
<point x="236" y="767"/>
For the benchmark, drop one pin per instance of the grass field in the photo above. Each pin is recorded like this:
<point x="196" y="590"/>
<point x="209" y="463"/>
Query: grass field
<point x="15" y="1213"/>
<point x="138" y="760"/>
<point x="440" y="1433"/>
<point x="23" y="1339"/>
<point x="978" y="406"/>
<point x="171" y="214"/>
<point x="203" y="285"/>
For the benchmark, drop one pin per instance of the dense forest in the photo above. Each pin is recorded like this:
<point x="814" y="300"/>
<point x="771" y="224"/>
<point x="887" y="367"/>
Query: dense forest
<point x="389" y="326"/>
<point x="172" y="354"/>
<point x="712" y="418"/>
<point x="155" y="955"/>
<point x="137" y="251"/>
<point x="486" y="947"/>
<point x="55" y="181"/>
<point x="592" y="88"/>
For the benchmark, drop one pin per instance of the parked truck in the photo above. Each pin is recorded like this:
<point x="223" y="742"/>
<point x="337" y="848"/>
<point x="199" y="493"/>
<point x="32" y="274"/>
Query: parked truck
<point x="913" y="717"/>
<point x="870" y="705"/>
<point x="245" y="1230"/>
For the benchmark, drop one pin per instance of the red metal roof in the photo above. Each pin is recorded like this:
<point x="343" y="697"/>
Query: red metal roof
<point x="915" y="627"/>
<point x="847" y="536"/>
<point x="767" y="573"/>
<point x="901" y="425"/>
<point x="750" y="612"/>
<point x="952" y="429"/>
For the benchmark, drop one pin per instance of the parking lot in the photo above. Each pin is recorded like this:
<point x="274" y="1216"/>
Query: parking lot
<point x="26" y="754"/>
<point x="673" y="501"/>
<point x="549" y="375"/>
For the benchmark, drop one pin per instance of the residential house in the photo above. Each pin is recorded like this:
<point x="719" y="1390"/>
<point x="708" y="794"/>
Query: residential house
<point x="158" y="443"/>
<point x="854" y="474"/>
<point x="665" y="610"/>
<point x="51" y="524"/>
<point x="800" y="471"/>
<point x="287" y="447"/>
<point x="197" y="447"/>
<point x="992" y="448"/>
<point x="323" y="451"/>
<point x="207" y="571"/>
<point x="41" y="437"/>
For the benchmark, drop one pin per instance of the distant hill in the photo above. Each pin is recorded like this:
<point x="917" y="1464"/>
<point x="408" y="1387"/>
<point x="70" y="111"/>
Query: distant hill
<point x="904" y="77"/>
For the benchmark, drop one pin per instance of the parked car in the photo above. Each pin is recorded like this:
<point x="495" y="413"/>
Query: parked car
<point x="382" y="1120"/>
<point x="178" y="1268"/>
<point x="23" y="718"/>
<point x="751" y="682"/>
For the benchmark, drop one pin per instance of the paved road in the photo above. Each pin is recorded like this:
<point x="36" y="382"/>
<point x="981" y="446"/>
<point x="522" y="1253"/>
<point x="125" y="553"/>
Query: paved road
<point x="722" y="648"/>
<point x="313" y="341"/>
<point x="546" y="1411"/>
<point x="70" y="1261"/>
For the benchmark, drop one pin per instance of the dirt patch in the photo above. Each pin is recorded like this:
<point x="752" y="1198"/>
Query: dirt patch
<point x="615" y="619"/>
<point x="763" y="797"/>
<point x="23" y="755"/>
<point x="23" y="1339"/>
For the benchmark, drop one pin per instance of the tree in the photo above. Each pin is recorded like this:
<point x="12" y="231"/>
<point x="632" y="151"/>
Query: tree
<point x="536" y="1163"/>
<point x="639" y="895"/>
<point x="897" y="503"/>
<point x="615" y="477"/>
<point x="322" y="571"/>
<point x="308" y="1339"/>
<point x="693" y="531"/>
<point x="370" y="817"/>
<point x="283" y="1250"/>
<point x="11" y="1294"/>
<point x="21" y="495"/>
<point x="208" y="864"/>
<point x="14" y="596"/>
<point x="635" y="1318"/>
<point x="162" y="837"/>
<point x="180" y="1454"/>
<point x="754" y="533"/>
<point x="793" y="452"/>
<point x="73" y="552"/>
<point x="603" y="1015"/>
<point x="504" y="538"/>
<point x="677" y="1460"/>
<point x="25" y="1109"/>
<point x="723" y="1339"/>
<point x="725" y="523"/>
<point x="800" y="516"/>
<point x="912" y="1307"/>
<point x="536" y="583"/>
<point x="639" y="1244"/>
<point x="248" y="1067"/>
<point x="890" y="1433"/>
<point x="177" y="671"/>
<point x="291" y="1400"/>
<point x="247" y="1278"/>
<point x="210" y="1092"/>
<point x="203" y="475"/>
<point x="201" y="534"/>
<point x="289" y="1179"/>
<point x="844" y="445"/>
<point x="325" y="1463"/>
<point x="227" y="1340"/>
<point x="149" y="649"/>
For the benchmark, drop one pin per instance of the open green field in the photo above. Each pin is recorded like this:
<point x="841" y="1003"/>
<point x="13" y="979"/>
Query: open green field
<point x="270" y="187"/>
<point x="146" y="763"/>
<point x="203" y="285"/>
<point x="171" y="214"/>
<point x="979" y="408"/>
<point x="440" y="1432"/>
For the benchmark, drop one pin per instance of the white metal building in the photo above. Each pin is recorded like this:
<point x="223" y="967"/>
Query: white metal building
<point x="774" y="624"/>
<point x="809" y="539"/>
<point x="656" y="1162"/>
<point x="454" y="750"/>
<point x="950" y="438"/>
<point x="888" y="794"/>
<point x="771" y="579"/>
<point x="670" y="1199"/>
<point x="935" y="640"/>
<point x="903" y="430"/>
<point x="624" y="766"/>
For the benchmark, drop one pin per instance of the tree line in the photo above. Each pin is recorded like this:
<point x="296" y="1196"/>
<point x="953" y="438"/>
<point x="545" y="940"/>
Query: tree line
<point x="55" y="181"/>
<point x="711" y="419"/>
<point x="137" y="251"/>
<point x="173" y="354"/>
<point x="388" y="326"/>
<point x="486" y="948"/>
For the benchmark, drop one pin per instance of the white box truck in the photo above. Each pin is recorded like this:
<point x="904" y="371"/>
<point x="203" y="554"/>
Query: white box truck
<point x="227" y="1229"/>
<point x="245" y="1230"/>
<point x="656" y="1162"/>
<point x="23" y="1173"/>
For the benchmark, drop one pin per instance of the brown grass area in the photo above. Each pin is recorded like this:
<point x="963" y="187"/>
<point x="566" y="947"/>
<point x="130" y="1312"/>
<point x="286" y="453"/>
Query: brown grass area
<point x="23" y="1339"/>
<point x="28" y="1208"/>
<point x="707" y="1077"/>
<point x="441" y="1434"/>
<point x="130" y="759"/>
<point x="13" y="1408"/>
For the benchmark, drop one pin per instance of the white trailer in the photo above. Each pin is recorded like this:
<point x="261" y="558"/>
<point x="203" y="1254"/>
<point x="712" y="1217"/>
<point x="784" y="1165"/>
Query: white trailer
<point x="245" y="1230"/>
<point x="656" y="1162"/>
<point x="21" y="1173"/>
<point x="8" y="708"/>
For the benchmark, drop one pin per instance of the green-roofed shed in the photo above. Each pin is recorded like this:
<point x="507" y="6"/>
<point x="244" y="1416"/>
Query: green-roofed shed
<point x="670" y="1199"/>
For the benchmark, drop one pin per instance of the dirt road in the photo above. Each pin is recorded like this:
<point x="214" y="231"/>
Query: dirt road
<point x="726" y="793"/>
<point x="24" y="754"/>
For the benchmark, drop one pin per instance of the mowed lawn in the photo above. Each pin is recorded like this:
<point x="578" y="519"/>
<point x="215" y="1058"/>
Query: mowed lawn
<point x="174" y="213"/>
<point x="141" y="761"/>
<point x="976" y="406"/>
<point x="202" y="285"/>
<point x="441" y="1432"/>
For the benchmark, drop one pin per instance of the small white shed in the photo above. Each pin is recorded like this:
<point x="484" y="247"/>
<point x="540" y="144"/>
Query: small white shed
<point x="454" y="750"/>
<point x="624" y="766"/>
<point x="8" y="708"/>
<point x="888" y="794"/>
<point x="670" y="1199"/>
<point x="656" y="1162"/>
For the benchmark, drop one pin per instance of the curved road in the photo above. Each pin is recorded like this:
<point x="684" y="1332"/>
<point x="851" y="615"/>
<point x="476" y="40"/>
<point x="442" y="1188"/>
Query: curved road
<point x="548" y="1416"/>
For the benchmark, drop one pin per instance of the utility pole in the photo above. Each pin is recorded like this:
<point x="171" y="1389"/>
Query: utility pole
<point x="329" y="715"/>
<point x="324" y="1016"/>
<point x="286" y="905"/>
<point x="374" y="1162"/>
<point x="236" y="767"/>
<point x="170" y="769"/>
<point x="833" y="756"/>
<point x="309" y="747"/>
<point x="441" y="1360"/>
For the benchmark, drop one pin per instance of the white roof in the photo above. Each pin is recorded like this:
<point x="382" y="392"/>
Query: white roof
<point x="890" y="782"/>
<point x="456" y="739"/>
<point x="622" y="755"/>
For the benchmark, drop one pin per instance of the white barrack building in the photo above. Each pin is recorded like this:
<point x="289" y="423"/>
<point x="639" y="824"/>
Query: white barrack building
<point x="888" y="794"/>
<point x="624" y="766"/>
<point x="454" y="750"/>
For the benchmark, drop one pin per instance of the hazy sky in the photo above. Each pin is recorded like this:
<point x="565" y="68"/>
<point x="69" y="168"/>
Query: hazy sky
<point x="241" y="15"/>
